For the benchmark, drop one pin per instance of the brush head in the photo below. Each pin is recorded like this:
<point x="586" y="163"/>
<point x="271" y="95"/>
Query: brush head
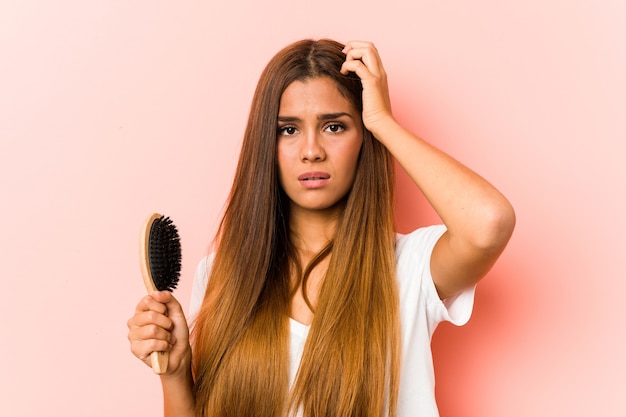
<point x="164" y="253"/>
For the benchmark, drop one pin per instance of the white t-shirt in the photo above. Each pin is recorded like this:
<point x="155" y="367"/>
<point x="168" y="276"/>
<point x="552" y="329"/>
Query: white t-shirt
<point x="421" y="311"/>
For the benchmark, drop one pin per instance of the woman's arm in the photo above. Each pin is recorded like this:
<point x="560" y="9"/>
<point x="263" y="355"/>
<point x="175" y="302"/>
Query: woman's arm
<point x="178" y="399"/>
<point x="159" y="324"/>
<point x="479" y="219"/>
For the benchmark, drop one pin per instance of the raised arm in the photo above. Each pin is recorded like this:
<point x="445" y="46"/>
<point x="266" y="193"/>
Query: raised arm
<point x="479" y="219"/>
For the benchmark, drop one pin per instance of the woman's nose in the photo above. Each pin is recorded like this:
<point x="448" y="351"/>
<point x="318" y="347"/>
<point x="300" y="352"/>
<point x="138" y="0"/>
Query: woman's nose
<point x="312" y="148"/>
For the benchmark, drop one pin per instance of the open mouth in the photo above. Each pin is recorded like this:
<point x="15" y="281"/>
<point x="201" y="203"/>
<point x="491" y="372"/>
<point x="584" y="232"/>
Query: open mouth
<point x="313" y="176"/>
<point x="314" y="180"/>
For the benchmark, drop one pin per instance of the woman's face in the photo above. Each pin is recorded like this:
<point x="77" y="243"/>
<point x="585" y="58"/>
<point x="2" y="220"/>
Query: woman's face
<point x="319" y="139"/>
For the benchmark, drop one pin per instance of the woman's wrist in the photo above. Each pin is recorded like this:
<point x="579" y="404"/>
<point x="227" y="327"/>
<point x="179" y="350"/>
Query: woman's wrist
<point x="385" y="129"/>
<point x="178" y="396"/>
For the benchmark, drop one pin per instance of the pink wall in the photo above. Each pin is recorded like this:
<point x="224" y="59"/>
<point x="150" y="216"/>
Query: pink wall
<point x="110" y="110"/>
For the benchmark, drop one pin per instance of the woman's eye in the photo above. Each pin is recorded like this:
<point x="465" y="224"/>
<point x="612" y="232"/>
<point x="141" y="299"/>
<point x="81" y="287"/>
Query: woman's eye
<point x="335" y="127"/>
<point x="286" y="130"/>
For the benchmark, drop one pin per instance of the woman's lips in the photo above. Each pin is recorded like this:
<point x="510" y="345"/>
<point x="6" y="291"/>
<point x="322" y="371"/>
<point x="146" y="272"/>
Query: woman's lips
<point x="315" y="179"/>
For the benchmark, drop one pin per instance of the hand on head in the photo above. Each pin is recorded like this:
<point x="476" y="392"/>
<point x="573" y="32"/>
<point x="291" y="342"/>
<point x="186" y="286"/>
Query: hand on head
<point x="362" y="58"/>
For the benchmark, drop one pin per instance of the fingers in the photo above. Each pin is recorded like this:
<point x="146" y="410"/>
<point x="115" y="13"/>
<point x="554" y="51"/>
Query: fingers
<point x="150" y="318"/>
<point x="152" y="328"/>
<point x="172" y="306"/>
<point x="363" y="59"/>
<point x="149" y="303"/>
<point x="175" y="313"/>
<point x="148" y="340"/>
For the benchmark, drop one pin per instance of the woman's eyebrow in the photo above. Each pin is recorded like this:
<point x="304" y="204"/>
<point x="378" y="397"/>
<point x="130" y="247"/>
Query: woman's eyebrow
<point x="288" y="119"/>
<point x="329" y="116"/>
<point x="324" y="116"/>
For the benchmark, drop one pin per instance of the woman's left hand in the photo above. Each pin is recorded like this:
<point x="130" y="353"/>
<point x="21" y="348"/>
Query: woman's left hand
<point x="362" y="58"/>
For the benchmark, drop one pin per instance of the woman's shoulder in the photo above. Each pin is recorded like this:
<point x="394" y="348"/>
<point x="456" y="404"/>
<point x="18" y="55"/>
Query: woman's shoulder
<point x="413" y="252"/>
<point x="200" y="281"/>
<point x="419" y="240"/>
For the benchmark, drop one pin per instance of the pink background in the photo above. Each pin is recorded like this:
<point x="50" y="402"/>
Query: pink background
<point x="110" y="110"/>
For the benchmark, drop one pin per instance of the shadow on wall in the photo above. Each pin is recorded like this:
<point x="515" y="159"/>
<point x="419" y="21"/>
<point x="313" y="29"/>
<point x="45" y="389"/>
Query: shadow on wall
<point x="469" y="359"/>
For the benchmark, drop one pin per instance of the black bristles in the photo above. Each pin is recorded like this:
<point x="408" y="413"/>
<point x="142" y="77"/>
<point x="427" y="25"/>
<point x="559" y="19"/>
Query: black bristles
<point x="164" y="254"/>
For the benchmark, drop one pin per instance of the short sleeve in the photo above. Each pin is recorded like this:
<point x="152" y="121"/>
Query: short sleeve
<point x="459" y="307"/>
<point x="417" y="288"/>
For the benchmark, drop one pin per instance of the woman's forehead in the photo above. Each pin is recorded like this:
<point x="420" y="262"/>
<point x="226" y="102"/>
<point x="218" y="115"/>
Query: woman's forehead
<point x="314" y="95"/>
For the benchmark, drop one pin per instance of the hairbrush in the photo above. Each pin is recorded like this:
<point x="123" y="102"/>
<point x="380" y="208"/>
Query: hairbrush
<point x="160" y="259"/>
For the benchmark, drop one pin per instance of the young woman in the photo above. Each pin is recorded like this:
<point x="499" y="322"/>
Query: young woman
<point x="311" y="305"/>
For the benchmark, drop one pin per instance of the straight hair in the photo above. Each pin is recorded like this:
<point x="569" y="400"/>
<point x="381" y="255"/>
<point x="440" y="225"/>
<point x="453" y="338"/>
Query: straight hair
<point x="350" y="364"/>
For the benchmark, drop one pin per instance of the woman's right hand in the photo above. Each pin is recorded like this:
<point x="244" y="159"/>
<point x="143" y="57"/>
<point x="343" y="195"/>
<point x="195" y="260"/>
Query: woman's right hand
<point x="159" y="325"/>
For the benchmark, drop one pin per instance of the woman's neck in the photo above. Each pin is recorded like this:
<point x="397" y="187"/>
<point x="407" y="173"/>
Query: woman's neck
<point x="312" y="230"/>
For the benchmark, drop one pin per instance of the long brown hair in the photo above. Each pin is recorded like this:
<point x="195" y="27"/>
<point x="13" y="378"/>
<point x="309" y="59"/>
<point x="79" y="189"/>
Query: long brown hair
<point x="350" y="364"/>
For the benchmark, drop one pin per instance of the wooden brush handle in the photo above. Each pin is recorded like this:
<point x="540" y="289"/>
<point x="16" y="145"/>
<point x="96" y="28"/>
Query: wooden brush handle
<point x="159" y="362"/>
<point x="159" y="359"/>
